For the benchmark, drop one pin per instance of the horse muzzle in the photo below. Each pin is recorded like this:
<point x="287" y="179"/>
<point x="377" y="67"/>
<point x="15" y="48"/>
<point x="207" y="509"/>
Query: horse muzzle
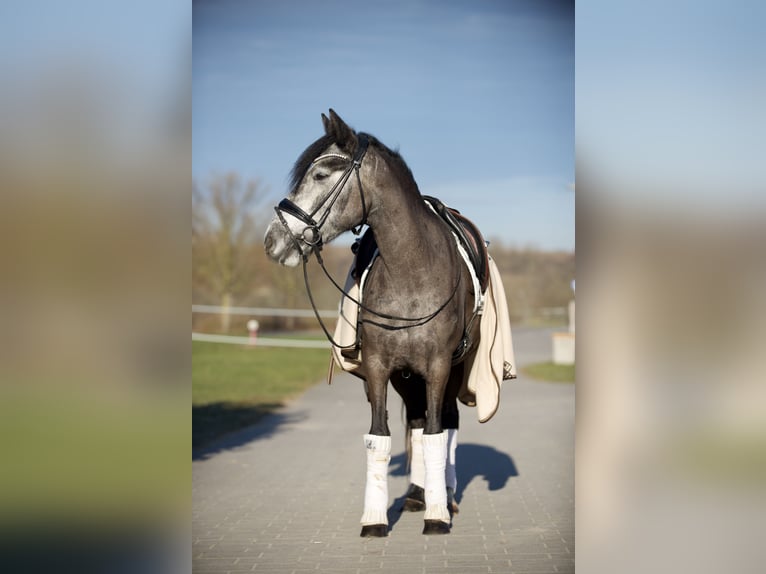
<point x="280" y="246"/>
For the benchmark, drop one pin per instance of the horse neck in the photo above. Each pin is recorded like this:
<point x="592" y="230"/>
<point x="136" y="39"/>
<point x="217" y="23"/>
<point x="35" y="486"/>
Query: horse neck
<point x="406" y="230"/>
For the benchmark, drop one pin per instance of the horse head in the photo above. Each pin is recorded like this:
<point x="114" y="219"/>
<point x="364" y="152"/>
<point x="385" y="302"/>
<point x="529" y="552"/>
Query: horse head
<point x="326" y="197"/>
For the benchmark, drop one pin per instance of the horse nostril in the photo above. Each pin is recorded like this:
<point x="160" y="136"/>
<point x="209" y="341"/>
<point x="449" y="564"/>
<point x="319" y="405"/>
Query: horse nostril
<point x="268" y="242"/>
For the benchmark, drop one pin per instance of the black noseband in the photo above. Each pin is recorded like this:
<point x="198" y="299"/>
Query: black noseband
<point x="290" y="208"/>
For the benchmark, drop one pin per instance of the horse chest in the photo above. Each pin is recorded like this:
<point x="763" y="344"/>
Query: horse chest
<point x="413" y="348"/>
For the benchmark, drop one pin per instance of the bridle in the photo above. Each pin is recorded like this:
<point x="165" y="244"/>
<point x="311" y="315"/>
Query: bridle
<point x="311" y="235"/>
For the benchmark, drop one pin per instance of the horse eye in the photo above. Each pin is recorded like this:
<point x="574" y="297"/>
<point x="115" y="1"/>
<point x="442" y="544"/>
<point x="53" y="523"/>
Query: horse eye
<point x="319" y="175"/>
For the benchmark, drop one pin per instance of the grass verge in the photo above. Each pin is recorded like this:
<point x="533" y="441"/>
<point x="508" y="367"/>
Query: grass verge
<point x="551" y="372"/>
<point x="235" y="386"/>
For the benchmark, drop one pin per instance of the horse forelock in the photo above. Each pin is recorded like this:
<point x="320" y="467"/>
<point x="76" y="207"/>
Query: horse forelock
<point x="303" y="162"/>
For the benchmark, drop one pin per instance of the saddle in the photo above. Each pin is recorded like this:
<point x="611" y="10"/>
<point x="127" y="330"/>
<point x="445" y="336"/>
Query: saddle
<point x="467" y="233"/>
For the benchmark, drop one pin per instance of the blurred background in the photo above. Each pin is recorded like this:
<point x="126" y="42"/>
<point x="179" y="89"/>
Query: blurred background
<point x="671" y="400"/>
<point x="95" y="173"/>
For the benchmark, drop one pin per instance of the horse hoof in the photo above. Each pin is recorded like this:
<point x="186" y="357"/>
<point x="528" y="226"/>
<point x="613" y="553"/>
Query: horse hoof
<point x="374" y="531"/>
<point x="435" y="527"/>
<point x="415" y="500"/>
<point x="451" y="504"/>
<point x="412" y="505"/>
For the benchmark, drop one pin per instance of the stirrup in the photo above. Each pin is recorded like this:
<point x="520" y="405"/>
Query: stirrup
<point x="352" y="353"/>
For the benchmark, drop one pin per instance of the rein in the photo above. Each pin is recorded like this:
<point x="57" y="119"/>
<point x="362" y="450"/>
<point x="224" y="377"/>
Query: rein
<point x="414" y="321"/>
<point x="312" y="237"/>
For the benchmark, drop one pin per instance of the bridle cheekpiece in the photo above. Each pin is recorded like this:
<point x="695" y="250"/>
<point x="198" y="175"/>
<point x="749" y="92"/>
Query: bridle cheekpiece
<point x="312" y="233"/>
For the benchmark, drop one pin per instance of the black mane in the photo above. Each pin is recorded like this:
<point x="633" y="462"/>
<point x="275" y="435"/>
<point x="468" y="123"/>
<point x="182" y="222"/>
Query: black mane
<point x="396" y="161"/>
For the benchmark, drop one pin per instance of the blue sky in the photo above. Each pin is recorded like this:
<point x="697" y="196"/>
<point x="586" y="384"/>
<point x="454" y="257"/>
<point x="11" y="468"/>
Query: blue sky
<point x="477" y="96"/>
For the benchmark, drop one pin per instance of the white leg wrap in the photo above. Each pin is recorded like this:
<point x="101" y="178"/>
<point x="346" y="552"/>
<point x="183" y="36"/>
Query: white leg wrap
<point x="435" y="456"/>
<point x="451" y="474"/>
<point x="376" y="489"/>
<point x="417" y="465"/>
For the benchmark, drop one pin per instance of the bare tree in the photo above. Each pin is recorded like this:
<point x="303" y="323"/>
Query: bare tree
<point x="224" y="229"/>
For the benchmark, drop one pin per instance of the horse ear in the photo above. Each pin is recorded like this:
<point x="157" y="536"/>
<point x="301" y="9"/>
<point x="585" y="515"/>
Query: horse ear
<point x="344" y="136"/>
<point x="326" y="124"/>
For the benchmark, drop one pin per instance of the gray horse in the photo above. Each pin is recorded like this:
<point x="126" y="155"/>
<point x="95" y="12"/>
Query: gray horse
<point x="416" y="319"/>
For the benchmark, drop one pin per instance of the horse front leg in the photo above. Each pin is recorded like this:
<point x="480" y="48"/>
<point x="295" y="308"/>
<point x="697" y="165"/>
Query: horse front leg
<point x="377" y="445"/>
<point x="412" y="388"/>
<point x="435" y="449"/>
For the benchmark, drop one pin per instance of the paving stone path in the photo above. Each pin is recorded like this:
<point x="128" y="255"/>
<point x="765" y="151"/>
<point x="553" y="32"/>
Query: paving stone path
<point x="286" y="495"/>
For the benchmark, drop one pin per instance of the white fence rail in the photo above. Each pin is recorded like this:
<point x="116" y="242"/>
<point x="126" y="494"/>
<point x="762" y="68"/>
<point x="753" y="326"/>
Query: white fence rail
<point x="261" y="311"/>
<point x="294" y="343"/>
<point x="261" y="341"/>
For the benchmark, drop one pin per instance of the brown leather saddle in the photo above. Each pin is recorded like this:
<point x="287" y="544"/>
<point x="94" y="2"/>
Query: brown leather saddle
<point x="464" y="229"/>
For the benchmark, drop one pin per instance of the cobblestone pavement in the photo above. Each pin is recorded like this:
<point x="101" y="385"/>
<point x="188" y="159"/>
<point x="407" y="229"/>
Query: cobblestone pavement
<point x="286" y="495"/>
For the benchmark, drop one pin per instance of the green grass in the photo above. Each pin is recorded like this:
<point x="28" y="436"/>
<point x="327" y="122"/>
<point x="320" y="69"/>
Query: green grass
<point x="234" y="386"/>
<point x="551" y="372"/>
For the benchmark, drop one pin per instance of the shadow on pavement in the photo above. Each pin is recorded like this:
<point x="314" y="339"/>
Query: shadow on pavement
<point x="249" y="423"/>
<point x="398" y="465"/>
<point x="485" y="461"/>
<point x="472" y="460"/>
<point x="394" y="512"/>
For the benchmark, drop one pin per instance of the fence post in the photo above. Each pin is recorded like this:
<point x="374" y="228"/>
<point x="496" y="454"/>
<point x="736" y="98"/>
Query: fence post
<point x="252" y="327"/>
